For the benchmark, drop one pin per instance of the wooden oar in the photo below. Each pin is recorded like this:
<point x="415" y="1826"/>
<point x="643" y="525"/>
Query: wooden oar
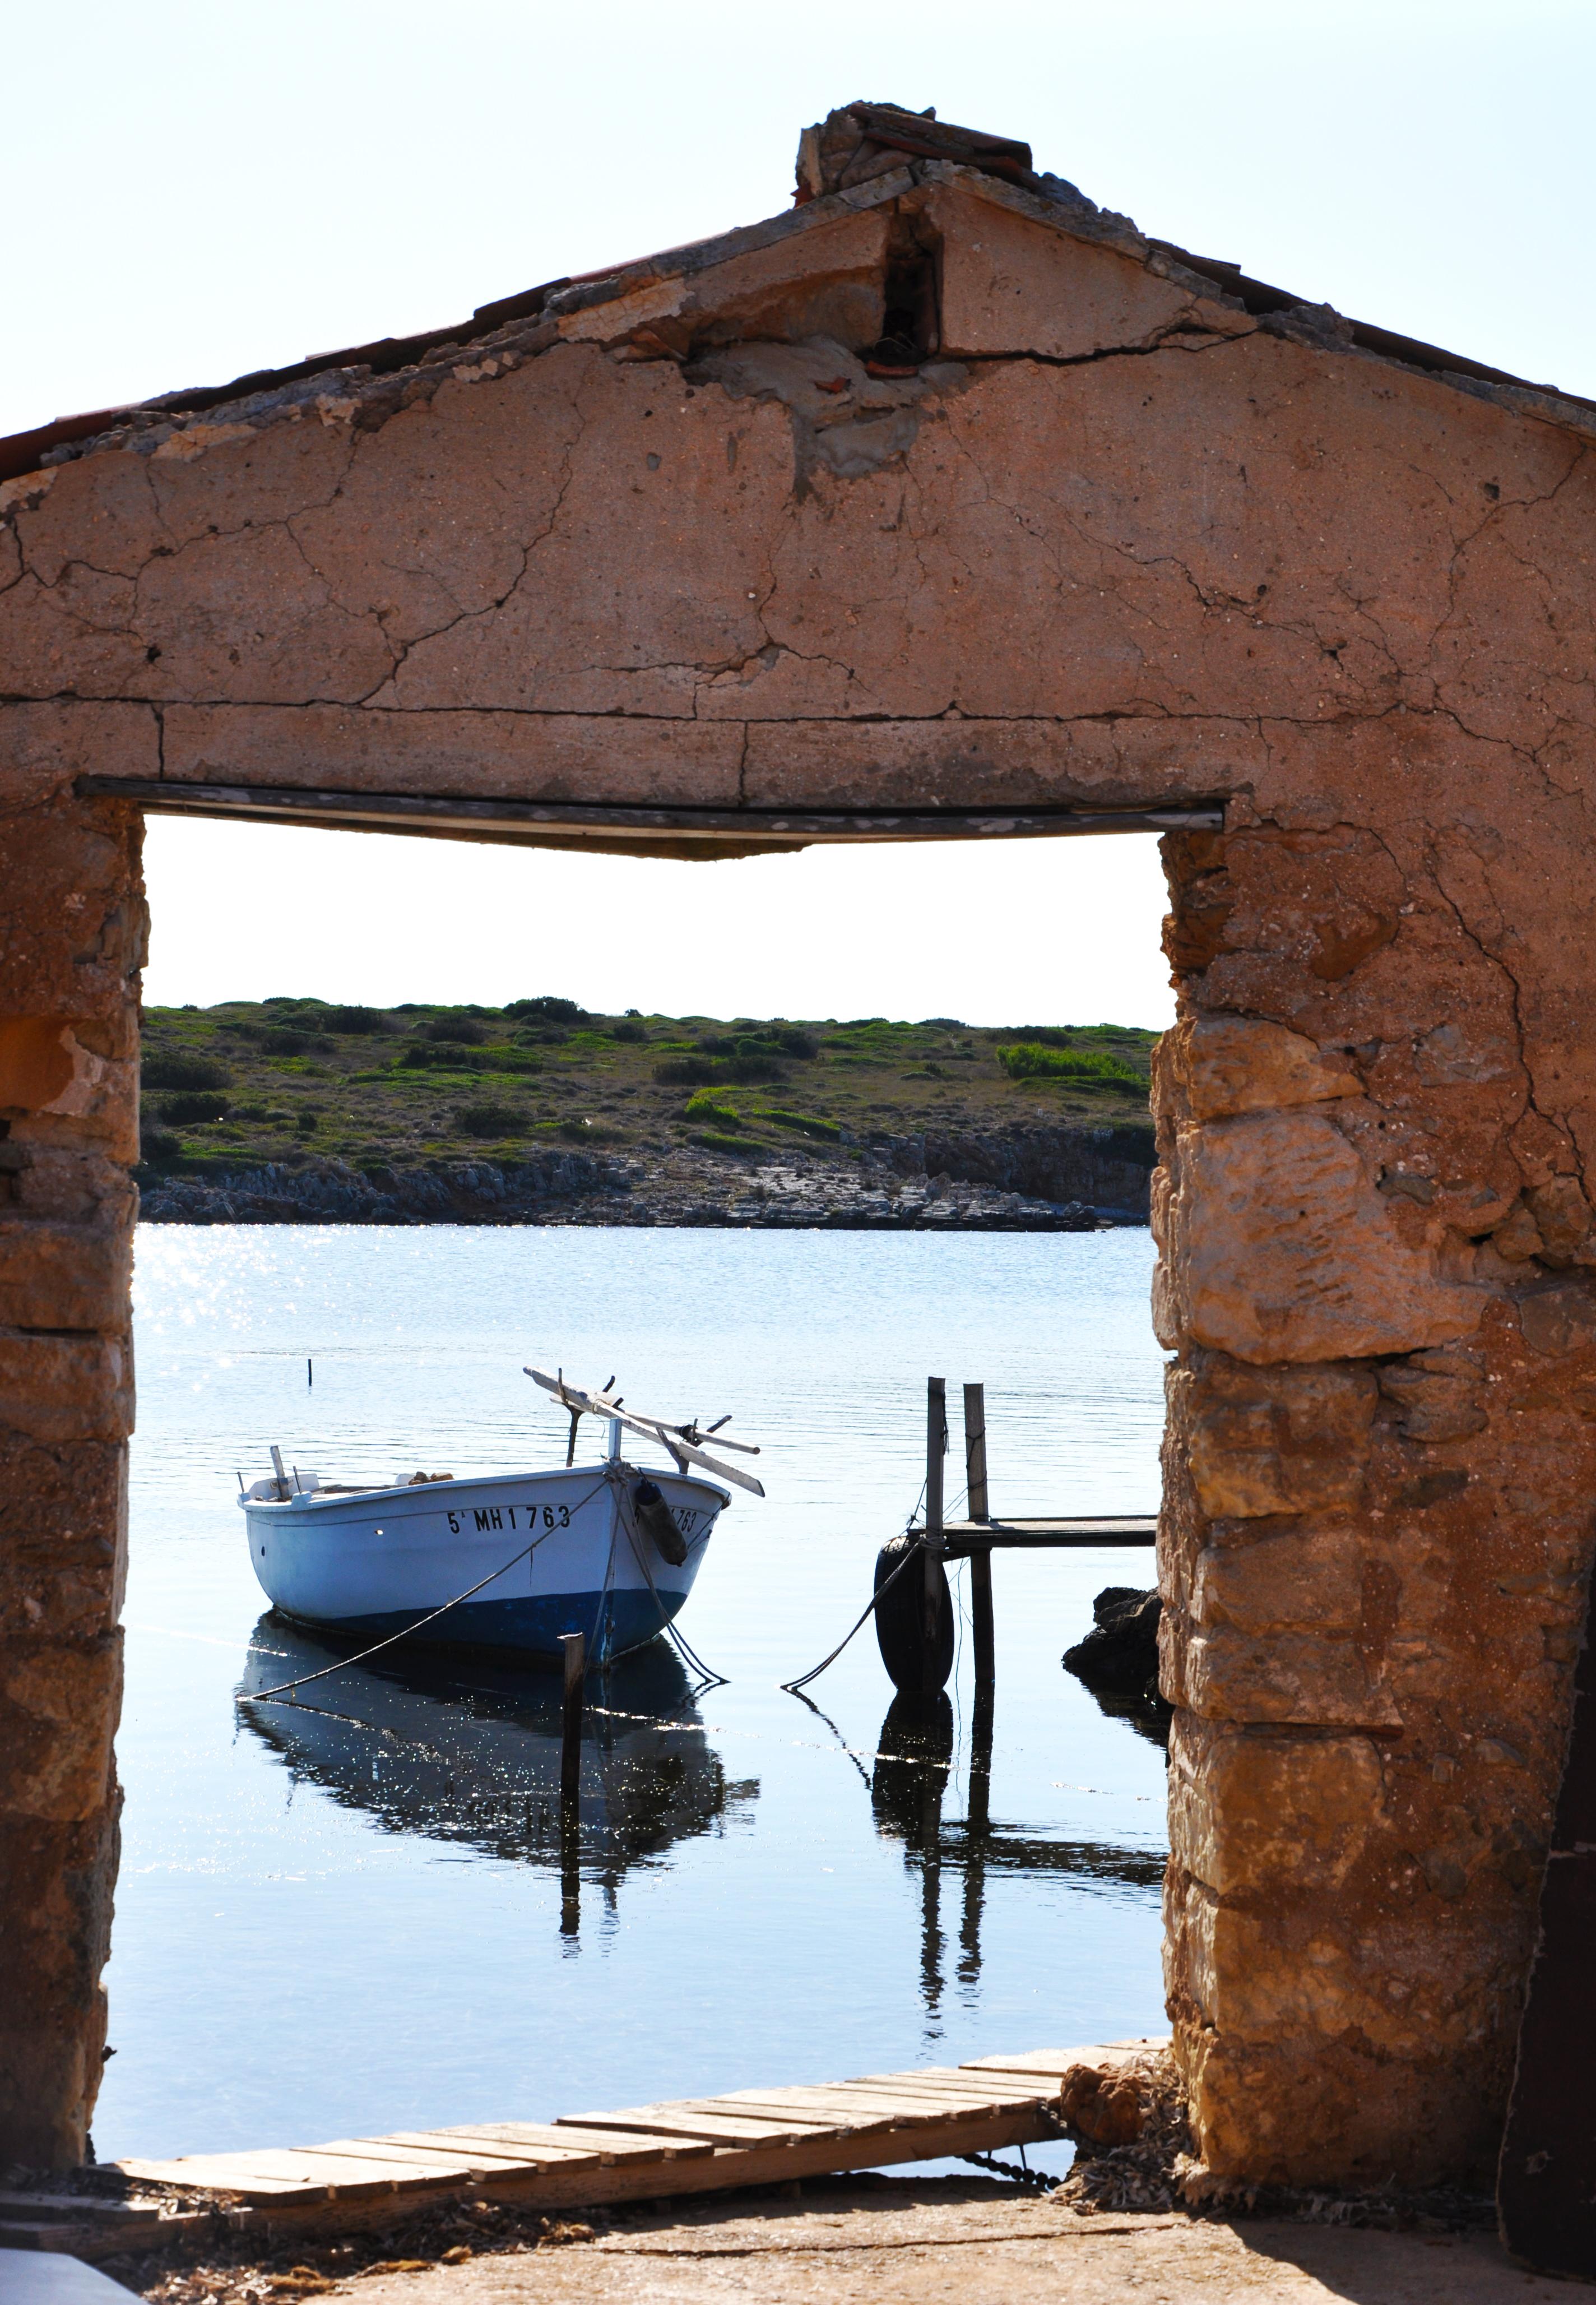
<point x="669" y="1437"/>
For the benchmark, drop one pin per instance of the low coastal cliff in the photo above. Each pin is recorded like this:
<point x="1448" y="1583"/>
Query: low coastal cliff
<point x="1038" y="1179"/>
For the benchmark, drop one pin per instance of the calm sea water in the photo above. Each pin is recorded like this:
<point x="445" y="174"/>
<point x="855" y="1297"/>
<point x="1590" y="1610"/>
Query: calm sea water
<point x="343" y="1921"/>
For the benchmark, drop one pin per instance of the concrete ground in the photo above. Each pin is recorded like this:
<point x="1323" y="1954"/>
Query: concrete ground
<point x="841" y="2244"/>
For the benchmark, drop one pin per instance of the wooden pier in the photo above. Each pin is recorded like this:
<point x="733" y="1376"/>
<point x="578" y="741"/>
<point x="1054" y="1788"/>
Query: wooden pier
<point x="914" y="1608"/>
<point x="961" y="1539"/>
<point x="688" y="2145"/>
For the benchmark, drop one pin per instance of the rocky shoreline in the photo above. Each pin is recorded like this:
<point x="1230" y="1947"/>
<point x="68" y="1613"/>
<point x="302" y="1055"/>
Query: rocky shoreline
<point x="892" y="1185"/>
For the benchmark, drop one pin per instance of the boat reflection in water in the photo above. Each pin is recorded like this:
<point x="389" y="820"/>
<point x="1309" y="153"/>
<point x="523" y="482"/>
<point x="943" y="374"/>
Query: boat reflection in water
<point x="913" y="1763"/>
<point x="468" y="1752"/>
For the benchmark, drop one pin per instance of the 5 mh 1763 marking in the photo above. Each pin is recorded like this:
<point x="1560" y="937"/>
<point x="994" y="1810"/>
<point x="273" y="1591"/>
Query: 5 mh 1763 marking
<point x="493" y="1516"/>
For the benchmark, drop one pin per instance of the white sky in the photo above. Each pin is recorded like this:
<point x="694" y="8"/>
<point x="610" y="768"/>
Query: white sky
<point x="214" y="188"/>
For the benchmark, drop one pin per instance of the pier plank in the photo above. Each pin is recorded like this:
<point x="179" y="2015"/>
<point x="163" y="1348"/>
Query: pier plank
<point x="605" y="2146"/>
<point x="908" y="2111"/>
<point x="600" y="2127"/>
<point x="975" y="2100"/>
<point x="841" y="2116"/>
<point x="417" y="2150"/>
<point x="756" y="2107"/>
<point x="1051" y="1533"/>
<point x="277" y="2170"/>
<point x="720" y="2128"/>
<point x="955" y="2081"/>
<point x="1054" y="2063"/>
<point x="510" y="2150"/>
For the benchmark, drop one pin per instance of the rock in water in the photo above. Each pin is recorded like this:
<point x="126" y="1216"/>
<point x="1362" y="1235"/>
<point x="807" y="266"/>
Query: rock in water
<point x="1120" y="1655"/>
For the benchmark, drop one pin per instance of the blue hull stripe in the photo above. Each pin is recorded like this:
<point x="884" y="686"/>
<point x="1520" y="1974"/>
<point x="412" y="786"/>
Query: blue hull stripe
<point x="533" y="1625"/>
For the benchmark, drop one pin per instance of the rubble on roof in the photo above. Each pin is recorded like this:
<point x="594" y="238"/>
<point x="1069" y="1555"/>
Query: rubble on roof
<point x="815" y="273"/>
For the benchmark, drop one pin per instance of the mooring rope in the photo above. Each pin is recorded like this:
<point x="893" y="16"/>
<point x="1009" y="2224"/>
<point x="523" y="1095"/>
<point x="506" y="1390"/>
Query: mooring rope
<point x="796" y="1687"/>
<point x="712" y="1680"/>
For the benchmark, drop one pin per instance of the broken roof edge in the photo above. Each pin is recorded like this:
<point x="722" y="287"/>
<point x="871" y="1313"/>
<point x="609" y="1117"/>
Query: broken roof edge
<point x="527" y="322"/>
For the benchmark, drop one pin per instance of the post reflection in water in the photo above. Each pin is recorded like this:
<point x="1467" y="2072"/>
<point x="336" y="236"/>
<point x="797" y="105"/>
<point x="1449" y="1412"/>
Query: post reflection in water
<point x="461" y="1749"/>
<point x="914" y="1761"/>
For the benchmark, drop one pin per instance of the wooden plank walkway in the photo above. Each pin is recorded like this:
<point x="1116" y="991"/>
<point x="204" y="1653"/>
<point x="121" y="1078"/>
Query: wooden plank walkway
<point x="688" y="2145"/>
<point x="1063" y="1532"/>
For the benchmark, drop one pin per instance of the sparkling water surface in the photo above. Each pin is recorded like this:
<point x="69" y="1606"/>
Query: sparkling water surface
<point x="343" y="1921"/>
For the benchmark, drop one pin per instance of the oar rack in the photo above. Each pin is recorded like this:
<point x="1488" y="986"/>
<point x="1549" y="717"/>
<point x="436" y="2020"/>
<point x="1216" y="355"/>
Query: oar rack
<point x="684" y="1443"/>
<point x="915" y="1630"/>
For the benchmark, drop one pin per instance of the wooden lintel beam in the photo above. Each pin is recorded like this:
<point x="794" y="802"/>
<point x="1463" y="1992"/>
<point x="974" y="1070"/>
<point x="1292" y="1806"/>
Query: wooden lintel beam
<point x="679" y="831"/>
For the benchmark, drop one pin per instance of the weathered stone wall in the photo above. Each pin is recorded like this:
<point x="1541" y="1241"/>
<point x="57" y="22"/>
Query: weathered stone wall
<point x="1380" y="1468"/>
<point x="1124" y="540"/>
<point x="72" y="939"/>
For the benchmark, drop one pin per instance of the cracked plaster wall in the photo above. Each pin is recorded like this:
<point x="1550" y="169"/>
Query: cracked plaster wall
<point x="1119" y="542"/>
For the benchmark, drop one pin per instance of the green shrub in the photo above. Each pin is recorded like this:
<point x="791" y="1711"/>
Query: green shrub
<point x="761" y="1047"/>
<point x="805" y="1123"/>
<point x="176" y="1070"/>
<point x="193" y="1106"/>
<point x="158" y="1144"/>
<point x="450" y="1055"/>
<point x="464" y="1031"/>
<point x="1085" y="1068"/>
<point x="629" y="1029"/>
<point x="705" y="1105"/>
<point x="307" y="1123"/>
<point x="712" y="1140"/>
<point x="548" y="1008"/>
<point x="487" y="1119"/>
<point x="355" y="1020"/>
<point x="689" y="1072"/>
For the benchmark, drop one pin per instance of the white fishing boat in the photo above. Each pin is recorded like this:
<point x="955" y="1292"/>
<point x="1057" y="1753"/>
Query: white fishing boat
<point x="508" y="1560"/>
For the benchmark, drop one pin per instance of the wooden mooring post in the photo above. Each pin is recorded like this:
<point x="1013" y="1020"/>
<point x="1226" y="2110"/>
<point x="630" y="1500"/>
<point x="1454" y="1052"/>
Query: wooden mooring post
<point x="980" y="1558"/>
<point x="575" y="1647"/>
<point x="936" y="1452"/>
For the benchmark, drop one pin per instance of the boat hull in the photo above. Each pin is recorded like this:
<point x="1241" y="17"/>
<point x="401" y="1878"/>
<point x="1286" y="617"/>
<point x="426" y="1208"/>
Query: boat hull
<point x="560" y="1553"/>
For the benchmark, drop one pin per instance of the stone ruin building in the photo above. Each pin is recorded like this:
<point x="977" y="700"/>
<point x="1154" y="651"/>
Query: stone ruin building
<point x="944" y="504"/>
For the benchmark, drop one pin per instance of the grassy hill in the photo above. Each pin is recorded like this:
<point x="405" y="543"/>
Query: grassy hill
<point x="292" y="1081"/>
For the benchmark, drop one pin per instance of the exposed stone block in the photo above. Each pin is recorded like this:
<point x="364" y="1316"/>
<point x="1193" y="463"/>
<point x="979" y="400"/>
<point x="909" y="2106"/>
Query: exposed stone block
<point x="1308" y="1575"/>
<point x="63" y="1532"/>
<point x="57" y="1880"/>
<point x="1282" y="1250"/>
<point x="1224" y="1674"/>
<point x="1560" y="1318"/>
<point x="1562" y="1219"/>
<point x="1272" y="1440"/>
<point x="59" y="1702"/>
<point x="1215" y="1067"/>
<point x="58" y="1276"/>
<point x="1259" y="1816"/>
<point x="49" y="1172"/>
<point x="1008" y="288"/>
<point x="65" y="1388"/>
<point x="1441" y="1394"/>
<point x="1304" y="2110"/>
